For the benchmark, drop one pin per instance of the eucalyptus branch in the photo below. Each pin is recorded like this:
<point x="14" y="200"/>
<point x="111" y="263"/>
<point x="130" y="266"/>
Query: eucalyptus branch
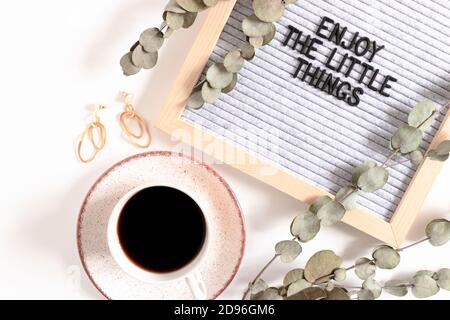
<point x="259" y="275"/>
<point x="178" y="14"/>
<point x="324" y="268"/>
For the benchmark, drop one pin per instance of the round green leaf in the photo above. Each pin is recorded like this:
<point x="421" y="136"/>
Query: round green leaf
<point x="386" y="257"/>
<point x="443" y="279"/>
<point x="416" y="157"/>
<point x="373" y="179"/>
<point x="422" y="114"/>
<point x="396" y="288"/>
<point x="443" y="149"/>
<point x="371" y="285"/>
<point x="269" y="294"/>
<point x="337" y="294"/>
<point x="288" y="250"/>
<point x="196" y="101"/>
<point x="128" y="67"/>
<point x="305" y="226"/>
<point x="189" y="19"/>
<point x="248" y="51"/>
<point x="144" y="59"/>
<point x="218" y="76"/>
<point x="192" y="5"/>
<point x="254" y="27"/>
<point x="319" y="203"/>
<point x="439" y="232"/>
<point x="268" y="10"/>
<point x="424" y="286"/>
<point x="366" y="295"/>
<point x="348" y="197"/>
<point x="322" y="264"/>
<point x="151" y="39"/>
<point x="365" y="268"/>
<point x="298" y="286"/>
<point x="312" y="293"/>
<point x="407" y="139"/>
<point x="292" y="276"/>
<point x="433" y="155"/>
<point x="210" y="95"/>
<point x="340" y="274"/>
<point x="331" y="213"/>
<point x="259" y="286"/>
<point x="232" y="85"/>
<point x="174" y="20"/>
<point x="233" y="61"/>
<point x="358" y="171"/>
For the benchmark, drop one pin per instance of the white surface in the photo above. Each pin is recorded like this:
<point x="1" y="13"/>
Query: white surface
<point x="58" y="58"/>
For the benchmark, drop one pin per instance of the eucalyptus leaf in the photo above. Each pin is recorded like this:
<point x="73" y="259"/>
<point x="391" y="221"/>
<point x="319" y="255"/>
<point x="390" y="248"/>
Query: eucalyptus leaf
<point x="269" y="294"/>
<point x="407" y="139"/>
<point x="365" y="268"/>
<point x="254" y="27"/>
<point x="331" y="213"/>
<point x="366" y="295"/>
<point x="348" y="197"/>
<point x="174" y="20"/>
<point x="248" y="52"/>
<point x="151" y="39"/>
<point x="128" y="67"/>
<point x="313" y="293"/>
<point x="218" y="77"/>
<point x="421" y="115"/>
<point x="268" y="10"/>
<point x="189" y="19"/>
<point x="256" y="42"/>
<point x="337" y="294"/>
<point x="340" y="274"/>
<point x="439" y="232"/>
<point x="259" y="286"/>
<point x="192" y="5"/>
<point x="396" y="288"/>
<point x="196" y="101"/>
<point x="210" y="95"/>
<point x="358" y="171"/>
<point x="233" y="61"/>
<point x="298" y="286"/>
<point x="293" y="276"/>
<point x="444" y="148"/>
<point x="144" y="59"/>
<point x="443" y="279"/>
<point x="305" y="226"/>
<point x="424" y="286"/>
<point x="373" y="179"/>
<point x="433" y="155"/>
<point x="373" y="286"/>
<point x="232" y="85"/>
<point x="386" y="257"/>
<point x="416" y="157"/>
<point x="322" y="264"/>
<point x="319" y="203"/>
<point x="288" y="250"/>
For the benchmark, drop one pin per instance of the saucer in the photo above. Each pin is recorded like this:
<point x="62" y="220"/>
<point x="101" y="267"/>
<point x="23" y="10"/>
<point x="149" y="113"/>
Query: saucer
<point x="227" y="235"/>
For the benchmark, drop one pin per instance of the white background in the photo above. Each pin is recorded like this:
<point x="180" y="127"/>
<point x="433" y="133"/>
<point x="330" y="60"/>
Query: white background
<point x="58" y="59"/>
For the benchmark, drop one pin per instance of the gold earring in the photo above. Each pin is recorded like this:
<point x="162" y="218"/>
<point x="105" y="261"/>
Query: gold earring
<point x="142" y="138"/>
<point x="98" y="141"/>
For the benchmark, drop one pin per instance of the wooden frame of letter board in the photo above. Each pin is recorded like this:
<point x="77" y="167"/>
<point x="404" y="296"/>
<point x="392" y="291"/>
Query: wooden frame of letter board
<point x="393" y="232"/>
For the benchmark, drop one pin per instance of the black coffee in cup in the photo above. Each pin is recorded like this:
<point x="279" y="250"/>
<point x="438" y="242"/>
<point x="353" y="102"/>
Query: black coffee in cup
<point x="161" y="229"/>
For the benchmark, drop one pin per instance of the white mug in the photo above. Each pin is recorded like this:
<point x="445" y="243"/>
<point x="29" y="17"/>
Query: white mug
<point x="189" y="272"/>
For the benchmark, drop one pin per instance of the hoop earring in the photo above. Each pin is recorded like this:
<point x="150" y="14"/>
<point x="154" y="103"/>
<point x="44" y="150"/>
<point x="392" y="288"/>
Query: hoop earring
<point x="142" y="138"/>
<point x="99" y="142"/>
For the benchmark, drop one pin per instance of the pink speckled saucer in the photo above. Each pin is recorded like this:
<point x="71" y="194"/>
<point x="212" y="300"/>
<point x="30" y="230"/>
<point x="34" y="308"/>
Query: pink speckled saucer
<point x="227" y="237"/>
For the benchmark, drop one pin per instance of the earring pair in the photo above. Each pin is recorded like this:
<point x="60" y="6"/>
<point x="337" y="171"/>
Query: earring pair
<point x="95" y="132"/>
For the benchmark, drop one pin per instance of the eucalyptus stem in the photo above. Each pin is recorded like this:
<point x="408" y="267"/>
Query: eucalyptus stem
<point x="258" y="276"/>
<point x="413" y="245"/>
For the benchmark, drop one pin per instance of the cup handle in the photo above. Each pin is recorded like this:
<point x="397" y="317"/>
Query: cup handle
<point x="197" y="285"/>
